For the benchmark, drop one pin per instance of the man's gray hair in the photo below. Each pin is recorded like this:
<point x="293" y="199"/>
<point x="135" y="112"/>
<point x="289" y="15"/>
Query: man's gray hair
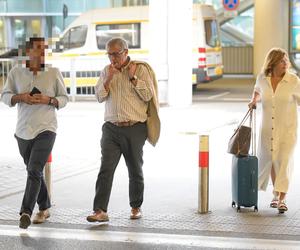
<point x="117" y="41"/>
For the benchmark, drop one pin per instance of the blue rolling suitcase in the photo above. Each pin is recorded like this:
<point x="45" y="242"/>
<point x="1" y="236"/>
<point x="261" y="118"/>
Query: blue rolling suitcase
<point x="245" y="176"/>
<point x="244" y="182"/>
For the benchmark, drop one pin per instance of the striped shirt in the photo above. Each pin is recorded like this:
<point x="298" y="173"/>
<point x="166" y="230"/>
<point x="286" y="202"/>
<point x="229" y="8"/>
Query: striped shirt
<point x="124" y="101"/>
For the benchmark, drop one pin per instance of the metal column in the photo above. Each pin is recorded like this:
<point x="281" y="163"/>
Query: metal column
<point x="203" y="188"/>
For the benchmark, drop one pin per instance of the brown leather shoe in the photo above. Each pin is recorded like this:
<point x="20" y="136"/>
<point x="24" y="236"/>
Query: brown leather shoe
<point x="99" y="216"/>
<point x="136" y="213"/>
<point x="41" y="216"/>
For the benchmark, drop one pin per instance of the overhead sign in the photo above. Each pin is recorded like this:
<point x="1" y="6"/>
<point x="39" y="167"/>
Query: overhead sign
<point x="231" y="5"/>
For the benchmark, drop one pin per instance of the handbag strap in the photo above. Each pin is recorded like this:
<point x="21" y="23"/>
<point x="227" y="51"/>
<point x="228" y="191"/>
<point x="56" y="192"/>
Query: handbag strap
<point x="242" y="122"/>
<point x="248" y="114"/>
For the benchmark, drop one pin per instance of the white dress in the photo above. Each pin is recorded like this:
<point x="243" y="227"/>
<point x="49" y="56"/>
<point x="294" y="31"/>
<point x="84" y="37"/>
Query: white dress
<point x="278" y="132"/>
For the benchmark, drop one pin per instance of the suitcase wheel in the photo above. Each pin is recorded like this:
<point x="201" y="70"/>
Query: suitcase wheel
<point x="238" y="209"/>
<point x="233" y="204"/>
<point x="255" y="209"/>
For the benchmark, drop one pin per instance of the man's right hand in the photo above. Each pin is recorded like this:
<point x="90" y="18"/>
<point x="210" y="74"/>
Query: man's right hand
<point x="25" y="97"/>
<point x="111" y="70"/>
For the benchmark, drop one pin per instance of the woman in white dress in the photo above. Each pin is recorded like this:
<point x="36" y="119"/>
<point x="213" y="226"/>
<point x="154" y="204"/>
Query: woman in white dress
<point x="279" y="92"/>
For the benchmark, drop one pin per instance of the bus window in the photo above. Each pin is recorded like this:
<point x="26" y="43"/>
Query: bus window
<point x="211" y="33"/>
<point x="130" y="32"/>
<point x="75" y="37"/>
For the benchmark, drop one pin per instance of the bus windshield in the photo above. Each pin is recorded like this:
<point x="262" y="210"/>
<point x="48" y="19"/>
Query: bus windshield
<point x="211" y="33"/>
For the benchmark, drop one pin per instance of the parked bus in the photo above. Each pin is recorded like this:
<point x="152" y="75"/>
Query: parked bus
<point x="83" y="43"/>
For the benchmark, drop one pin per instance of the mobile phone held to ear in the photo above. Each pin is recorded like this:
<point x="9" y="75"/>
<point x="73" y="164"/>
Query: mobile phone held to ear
<point x="35" y="90"/>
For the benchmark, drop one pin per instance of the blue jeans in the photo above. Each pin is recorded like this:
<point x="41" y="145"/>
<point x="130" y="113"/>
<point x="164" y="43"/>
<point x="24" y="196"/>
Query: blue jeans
<point x="117" y="141"/>
<point x="35" y="153"/>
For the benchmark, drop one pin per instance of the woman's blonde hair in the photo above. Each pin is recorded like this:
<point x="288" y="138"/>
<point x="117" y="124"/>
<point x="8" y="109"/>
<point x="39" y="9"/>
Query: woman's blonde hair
<point x="274" y="56"/>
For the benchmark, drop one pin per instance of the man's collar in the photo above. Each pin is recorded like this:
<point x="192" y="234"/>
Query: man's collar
<point x="126" y="64"/>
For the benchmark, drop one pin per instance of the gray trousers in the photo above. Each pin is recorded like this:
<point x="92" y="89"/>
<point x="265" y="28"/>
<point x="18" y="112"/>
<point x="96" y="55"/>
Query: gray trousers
<point x="35" y="154"/>
<point x="117" y="141"/>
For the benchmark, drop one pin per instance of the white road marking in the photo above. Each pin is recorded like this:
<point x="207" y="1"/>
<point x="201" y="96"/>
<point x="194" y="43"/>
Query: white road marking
<point x="219" y="95"/>
<point x="149" y="238"/>
<point x="237" y="99"/>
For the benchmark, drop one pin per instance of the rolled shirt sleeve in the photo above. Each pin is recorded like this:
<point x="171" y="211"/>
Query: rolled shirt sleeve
<point x="100" y="92"/>
<point x="257" y="87"/>
<point x="9" y="90"/>
<point x="61" y="93"/>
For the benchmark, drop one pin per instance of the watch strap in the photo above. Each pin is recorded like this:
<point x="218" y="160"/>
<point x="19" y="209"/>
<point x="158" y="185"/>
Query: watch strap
<point x="133" y="78"/>
<point x="50" y="101"/>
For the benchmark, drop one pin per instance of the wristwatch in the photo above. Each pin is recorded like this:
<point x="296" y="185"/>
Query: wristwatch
<point x="51" y="102"/>
<point x="134" y="78"/>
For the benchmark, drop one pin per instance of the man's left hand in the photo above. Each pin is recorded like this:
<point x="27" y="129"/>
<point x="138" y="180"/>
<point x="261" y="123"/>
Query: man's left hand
<point x="40" y="99"/>
<point x="131" y="69"/>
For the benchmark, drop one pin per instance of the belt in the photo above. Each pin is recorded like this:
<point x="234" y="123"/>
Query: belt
<point x="124" y="124"/>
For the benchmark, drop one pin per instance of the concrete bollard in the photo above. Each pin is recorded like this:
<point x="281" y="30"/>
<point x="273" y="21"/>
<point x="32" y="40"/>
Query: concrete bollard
<point x="203" y="188"/>
<point x="47" y="173"/>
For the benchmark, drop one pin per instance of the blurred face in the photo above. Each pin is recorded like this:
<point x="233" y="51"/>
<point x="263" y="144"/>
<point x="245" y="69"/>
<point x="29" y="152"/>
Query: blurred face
<point x="282" y="66"/>
<point x="117" y="56"/>
<point x="36" y="55"/>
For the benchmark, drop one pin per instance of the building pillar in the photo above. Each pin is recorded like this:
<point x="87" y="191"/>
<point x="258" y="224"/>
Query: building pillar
<point x="180" y="15"/>
<point x="158" y="42"/>
<point x="171" y="48"/>
<point x="271" y="29"/>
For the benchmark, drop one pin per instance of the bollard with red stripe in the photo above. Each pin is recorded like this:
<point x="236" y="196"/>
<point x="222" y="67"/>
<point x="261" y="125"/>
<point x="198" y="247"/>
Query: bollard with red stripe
<point x="50" y="158"/>
<point x="47" y="173"/>
<point x="203" y="188"/>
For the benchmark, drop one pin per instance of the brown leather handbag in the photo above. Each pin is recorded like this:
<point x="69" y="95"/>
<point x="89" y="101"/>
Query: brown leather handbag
<point x="239" y="143"/>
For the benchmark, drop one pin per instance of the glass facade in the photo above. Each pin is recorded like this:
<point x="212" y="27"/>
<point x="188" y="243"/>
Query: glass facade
<point x="2" y="33"/>
<point x="17" y="6"/>
<point x="242" y="26"/>
<point x="50" y="6"/>
<point x="24" y="18"/>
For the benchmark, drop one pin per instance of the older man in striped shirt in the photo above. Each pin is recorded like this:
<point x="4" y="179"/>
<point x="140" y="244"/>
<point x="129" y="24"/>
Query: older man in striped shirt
<point x="126" y="89"/>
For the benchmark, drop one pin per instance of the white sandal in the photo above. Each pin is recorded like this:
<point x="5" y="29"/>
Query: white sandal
<point x="282" y="207"/>
<point x="274" y="203"/>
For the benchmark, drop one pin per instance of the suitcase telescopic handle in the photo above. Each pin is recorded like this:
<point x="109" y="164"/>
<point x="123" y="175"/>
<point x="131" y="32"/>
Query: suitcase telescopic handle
<point x="253" y="129"/>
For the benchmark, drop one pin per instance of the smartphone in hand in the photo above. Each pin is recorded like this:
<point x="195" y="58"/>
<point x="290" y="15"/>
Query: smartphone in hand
<point x="35" y="90"/>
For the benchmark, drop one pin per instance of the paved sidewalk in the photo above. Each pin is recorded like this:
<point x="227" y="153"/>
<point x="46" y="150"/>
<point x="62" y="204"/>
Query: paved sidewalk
<point x="264" y="225"/>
